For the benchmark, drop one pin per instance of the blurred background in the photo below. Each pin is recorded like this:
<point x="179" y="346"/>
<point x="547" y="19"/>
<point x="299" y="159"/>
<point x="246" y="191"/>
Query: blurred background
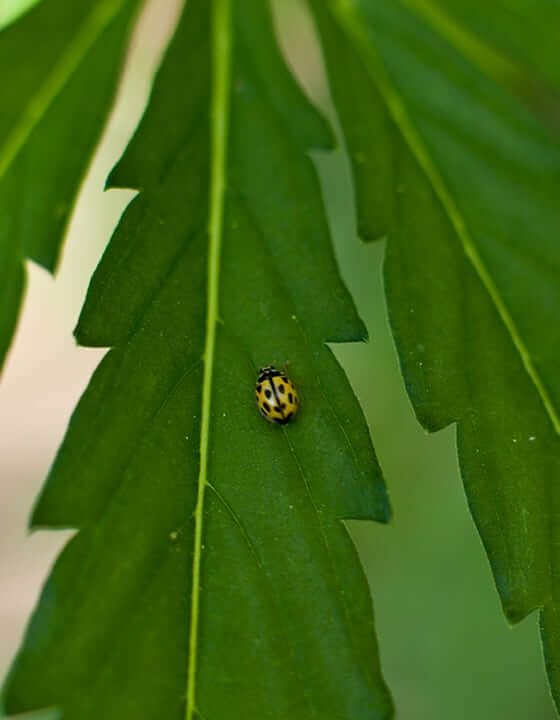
<point x="447" y="651"/>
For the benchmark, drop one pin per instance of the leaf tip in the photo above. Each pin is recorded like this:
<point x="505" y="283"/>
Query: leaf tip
<point x="80" y="336"/>
<point x="383" y="511"/>
<point x="112" y="180"/>
<point x="120" y="178"/>
<point x="86" y="334"/>
<point x="36" y="520"/>
<point x="386" y="511"/>
<point x="368" y="235"/>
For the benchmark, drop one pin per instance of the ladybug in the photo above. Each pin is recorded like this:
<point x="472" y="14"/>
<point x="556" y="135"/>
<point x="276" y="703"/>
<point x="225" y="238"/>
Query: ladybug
<point x="276" y="396"/>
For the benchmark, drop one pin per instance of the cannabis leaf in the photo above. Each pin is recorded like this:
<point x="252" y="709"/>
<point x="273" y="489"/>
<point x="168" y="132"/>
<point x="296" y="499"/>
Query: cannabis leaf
<point x="58" y="69"/>
<point x="462" y="181"/>
<point x="211" y="575"/>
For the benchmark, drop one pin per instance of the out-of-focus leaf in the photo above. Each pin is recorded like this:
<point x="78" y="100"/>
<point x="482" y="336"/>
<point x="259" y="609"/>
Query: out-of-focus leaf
<point x="464" y="184"/>
<point x="59" y="65"/>
<point x="517" y="45"/>
<point x="39" y="715"/>
<point x="212" y="575"/>
<point x="10" y="10"/>
<point x="514" y="39"/>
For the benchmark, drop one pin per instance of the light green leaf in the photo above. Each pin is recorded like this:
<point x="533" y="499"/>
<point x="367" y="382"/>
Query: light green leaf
<point x="463" y="182"/>
<point x="59" y="65"/>
<point x="39" y="715"/>
<point x="10" y="10"/>
<point x="212" y="575"/>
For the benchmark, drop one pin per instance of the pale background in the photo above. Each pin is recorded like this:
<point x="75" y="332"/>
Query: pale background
<point x="446" y="648"/>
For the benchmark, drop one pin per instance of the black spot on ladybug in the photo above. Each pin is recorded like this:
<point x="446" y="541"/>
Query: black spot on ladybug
<point x="266" y="407"/>
<point x="259" y="388"/>
<point x="291" y="398"/>
<point x="267" y="393"/>
<point x="280" y="388"/>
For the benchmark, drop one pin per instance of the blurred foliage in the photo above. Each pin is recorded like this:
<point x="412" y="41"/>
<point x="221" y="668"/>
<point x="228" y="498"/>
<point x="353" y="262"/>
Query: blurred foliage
<point x="10" y="10"/>
<point x="446" y="650"/>
<point x="49" y="127"/>
<point x="461" y="179"/>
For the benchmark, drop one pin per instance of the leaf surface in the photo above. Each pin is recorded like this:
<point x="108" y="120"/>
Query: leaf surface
<point x="500" y="39"/>
<point x="39" y="715"/>
<point x="212" y="575"/>
<point x="58" y="70"/>
<point x="462" y="181"/>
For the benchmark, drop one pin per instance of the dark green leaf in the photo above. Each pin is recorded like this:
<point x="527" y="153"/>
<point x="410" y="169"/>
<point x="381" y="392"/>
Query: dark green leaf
<point x="463" y="182"/>
<point x="58" y="70"/>
<point x="212" y="575"/>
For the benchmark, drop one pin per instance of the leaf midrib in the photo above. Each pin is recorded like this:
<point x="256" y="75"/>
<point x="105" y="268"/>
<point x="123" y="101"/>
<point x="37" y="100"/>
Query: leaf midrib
<point x="85" y="39"/>
<point x="347" y="17"/>
<point x="219" y="116"/>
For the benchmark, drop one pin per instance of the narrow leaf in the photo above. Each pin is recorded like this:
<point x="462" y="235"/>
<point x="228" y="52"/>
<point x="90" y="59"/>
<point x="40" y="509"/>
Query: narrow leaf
<point x="59" y="65"/>
<point x="212" y="575"/>
<point x="462" y="182"/>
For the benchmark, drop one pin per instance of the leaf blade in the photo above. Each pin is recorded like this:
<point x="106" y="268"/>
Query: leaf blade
<point x="47" y="58"/>
<point x="283" y="599"/>
<point x="459" y="356"/>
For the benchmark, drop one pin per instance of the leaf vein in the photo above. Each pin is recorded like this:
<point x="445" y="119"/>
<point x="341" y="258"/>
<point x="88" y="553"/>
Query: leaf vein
<point x="219" y="116"/>
<point x="260" y="565"/>
<point x="145" y="430"/>
<point x="324" y="538"/>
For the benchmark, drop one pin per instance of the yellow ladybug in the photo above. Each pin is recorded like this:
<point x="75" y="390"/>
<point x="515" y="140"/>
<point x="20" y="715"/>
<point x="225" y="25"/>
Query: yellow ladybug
<point x="276" y="396"/>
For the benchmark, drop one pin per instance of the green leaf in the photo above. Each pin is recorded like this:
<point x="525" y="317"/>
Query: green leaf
<point x="212" y="575"/>
<point x="496" y="41"/>
<point x="462" y="181"/>
<point x="10" y="10"/>
<point x="58" y="70"/>
<point x="39" y="715"/>
<point x="501" y="41"/>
